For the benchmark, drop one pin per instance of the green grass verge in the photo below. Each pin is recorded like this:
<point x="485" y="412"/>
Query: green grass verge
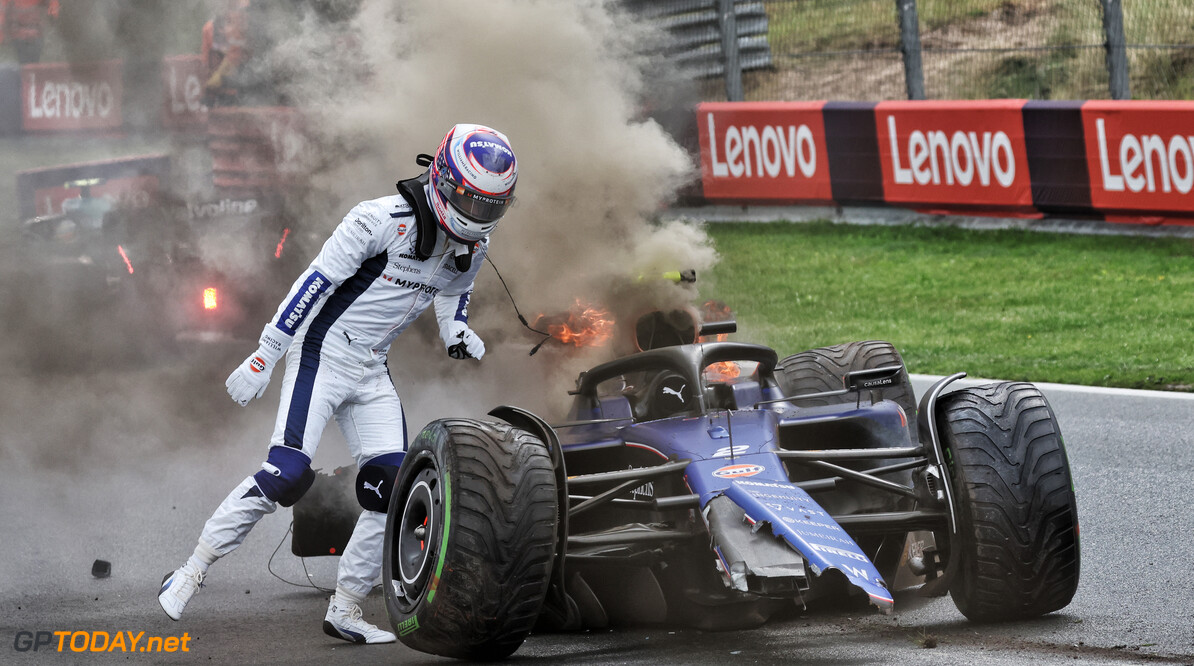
<point x="1009" y="304"/>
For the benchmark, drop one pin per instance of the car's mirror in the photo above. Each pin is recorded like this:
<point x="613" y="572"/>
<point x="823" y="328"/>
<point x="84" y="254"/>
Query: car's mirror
<point x="873" y="378"/>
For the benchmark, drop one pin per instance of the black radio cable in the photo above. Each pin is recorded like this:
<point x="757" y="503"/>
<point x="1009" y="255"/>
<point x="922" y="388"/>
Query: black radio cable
<point x="546" y="336"/>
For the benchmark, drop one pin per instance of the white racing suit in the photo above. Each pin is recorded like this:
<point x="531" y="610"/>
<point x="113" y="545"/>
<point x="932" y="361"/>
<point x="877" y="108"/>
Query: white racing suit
<point x="363" y="289"/>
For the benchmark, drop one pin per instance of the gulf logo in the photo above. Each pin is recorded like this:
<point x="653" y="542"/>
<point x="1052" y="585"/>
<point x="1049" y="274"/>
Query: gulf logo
<point x="401" y="229"/>
<point x="737" y="471"/>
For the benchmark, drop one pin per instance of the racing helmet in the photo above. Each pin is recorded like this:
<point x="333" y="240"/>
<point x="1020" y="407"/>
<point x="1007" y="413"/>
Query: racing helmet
<point x="472" y="181"/>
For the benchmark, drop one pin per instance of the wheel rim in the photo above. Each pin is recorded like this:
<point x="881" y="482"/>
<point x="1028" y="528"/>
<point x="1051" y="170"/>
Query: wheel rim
<point x="412" y="553"/>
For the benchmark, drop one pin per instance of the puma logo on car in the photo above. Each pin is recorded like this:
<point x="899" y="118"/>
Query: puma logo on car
<point x="676" y="392"/>
<point x="376" y="489"/>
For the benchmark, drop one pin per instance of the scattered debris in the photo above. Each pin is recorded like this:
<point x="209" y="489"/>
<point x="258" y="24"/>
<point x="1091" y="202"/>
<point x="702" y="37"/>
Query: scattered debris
<point x="101" y="568"/>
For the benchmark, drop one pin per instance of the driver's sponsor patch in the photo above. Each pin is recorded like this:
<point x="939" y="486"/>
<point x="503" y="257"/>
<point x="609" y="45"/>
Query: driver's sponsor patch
<point x="737" y="471"/>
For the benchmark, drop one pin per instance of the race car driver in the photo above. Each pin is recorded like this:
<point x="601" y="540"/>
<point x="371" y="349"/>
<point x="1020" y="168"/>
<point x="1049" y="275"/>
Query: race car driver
<point x="386" y="262"/>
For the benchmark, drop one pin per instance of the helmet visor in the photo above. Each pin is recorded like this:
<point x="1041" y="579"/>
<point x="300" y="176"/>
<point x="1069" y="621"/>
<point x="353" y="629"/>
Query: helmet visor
<point x="476" y="206"/>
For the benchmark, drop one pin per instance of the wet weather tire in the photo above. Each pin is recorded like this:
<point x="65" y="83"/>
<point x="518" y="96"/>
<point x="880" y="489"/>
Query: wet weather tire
<point x="470" y="536"/>
<point x="1018" y="519"/>
<point x="821" y="370"/>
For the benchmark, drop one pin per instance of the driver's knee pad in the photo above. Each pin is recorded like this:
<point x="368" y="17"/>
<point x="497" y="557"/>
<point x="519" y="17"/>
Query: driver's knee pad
<point x="375" y="481"/>
<point x="285" y="475"/>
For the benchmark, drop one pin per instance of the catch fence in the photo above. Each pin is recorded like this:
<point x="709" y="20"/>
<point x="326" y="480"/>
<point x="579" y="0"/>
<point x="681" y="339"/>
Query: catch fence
<point x="871" y="50"/>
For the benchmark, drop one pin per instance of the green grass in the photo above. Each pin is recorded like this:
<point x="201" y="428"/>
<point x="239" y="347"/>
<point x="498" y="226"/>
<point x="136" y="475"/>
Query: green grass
<point x="1095" y="310"/>
<point x="840" y="25"/>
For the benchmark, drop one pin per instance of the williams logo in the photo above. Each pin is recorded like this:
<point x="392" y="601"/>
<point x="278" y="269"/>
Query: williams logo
<point x="738" y="471"/>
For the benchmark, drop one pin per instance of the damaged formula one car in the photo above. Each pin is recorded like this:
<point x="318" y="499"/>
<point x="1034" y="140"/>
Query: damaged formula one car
<point x="713" y="484"/>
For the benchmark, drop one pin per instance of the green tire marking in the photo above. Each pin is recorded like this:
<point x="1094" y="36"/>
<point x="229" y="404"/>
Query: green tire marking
<point x="409" y="626"/>
<point x="443" y="543"/>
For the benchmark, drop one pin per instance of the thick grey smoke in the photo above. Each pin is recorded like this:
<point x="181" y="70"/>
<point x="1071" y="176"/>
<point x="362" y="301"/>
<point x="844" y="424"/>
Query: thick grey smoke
<point x="379" y="82"/>
<point x="564" y="81"/>
<point x="108" y="437"/>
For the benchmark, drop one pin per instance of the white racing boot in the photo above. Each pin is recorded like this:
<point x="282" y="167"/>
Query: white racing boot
<point x="344" y="621"/>
<point x="178" y="588"/>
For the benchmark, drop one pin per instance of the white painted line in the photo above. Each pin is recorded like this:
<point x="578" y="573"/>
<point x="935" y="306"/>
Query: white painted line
<point x="1069" y="388"/>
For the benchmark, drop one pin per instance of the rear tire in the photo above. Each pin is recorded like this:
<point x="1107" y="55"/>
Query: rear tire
<point x="1018" y="519"/>
<point x="470" y="538"/>
<point x="821" y="370"/>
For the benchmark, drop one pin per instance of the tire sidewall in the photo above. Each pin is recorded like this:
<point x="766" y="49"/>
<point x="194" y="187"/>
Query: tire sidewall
<point x="496" y="491"/>
<point x="428" y="450"/>
<point x="967" y="588"/>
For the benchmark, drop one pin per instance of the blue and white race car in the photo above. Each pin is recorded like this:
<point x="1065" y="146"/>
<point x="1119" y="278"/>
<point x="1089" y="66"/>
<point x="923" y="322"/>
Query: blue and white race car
<point x="713" y="484"/>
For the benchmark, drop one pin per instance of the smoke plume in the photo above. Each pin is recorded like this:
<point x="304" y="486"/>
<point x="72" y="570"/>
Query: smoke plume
<point x="378" y="82"/>
<point x="565" y="81"/>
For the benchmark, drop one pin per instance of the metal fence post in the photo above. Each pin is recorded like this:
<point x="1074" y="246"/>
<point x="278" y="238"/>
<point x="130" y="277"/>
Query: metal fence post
<point x="1117" y="52"/>
<point x="729" y="50"/>
<point x="914" y="74"/>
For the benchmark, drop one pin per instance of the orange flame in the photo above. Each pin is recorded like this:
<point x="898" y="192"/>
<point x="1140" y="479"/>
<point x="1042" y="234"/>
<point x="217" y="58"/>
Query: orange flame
<point x="724" y="371"/>
<point x="582" y="326"/>
<point x="210" y="298"/>
<point x="125" y="256"/>
<point x="281" y="243"/>
<point x="714" y="310"/>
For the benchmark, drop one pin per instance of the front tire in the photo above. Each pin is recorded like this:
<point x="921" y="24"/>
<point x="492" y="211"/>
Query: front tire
<point x="1018" y="518"/>
<point x="470" y="537"/>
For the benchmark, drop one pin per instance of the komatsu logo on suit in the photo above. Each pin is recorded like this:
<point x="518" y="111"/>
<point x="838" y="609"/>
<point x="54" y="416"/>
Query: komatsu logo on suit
<point x="316" y="285"/>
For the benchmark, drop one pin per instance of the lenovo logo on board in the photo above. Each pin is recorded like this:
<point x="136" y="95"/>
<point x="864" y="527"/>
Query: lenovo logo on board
<point x="59" y="96"/>
<point x="182" y="81"/>
<point x="763" y="151"/>
<point x="967" y="153"/>
<point x="1140" y="154"/>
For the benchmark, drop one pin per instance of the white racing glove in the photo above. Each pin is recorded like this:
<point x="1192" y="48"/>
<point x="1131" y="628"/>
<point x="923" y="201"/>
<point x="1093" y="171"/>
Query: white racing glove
<point x="461" y="341"/>
<point x="250" y="378"/>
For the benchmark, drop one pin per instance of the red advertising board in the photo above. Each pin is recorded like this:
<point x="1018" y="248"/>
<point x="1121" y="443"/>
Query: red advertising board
<point x="182" y="82"/>
<point x="61" y="96"/>
<point x="764" y="150"/>
<point x="130" y="182"/>
<point x="131" y="192"/>
<point x="954" y="153"/>
<point x="1140" y="155"/>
